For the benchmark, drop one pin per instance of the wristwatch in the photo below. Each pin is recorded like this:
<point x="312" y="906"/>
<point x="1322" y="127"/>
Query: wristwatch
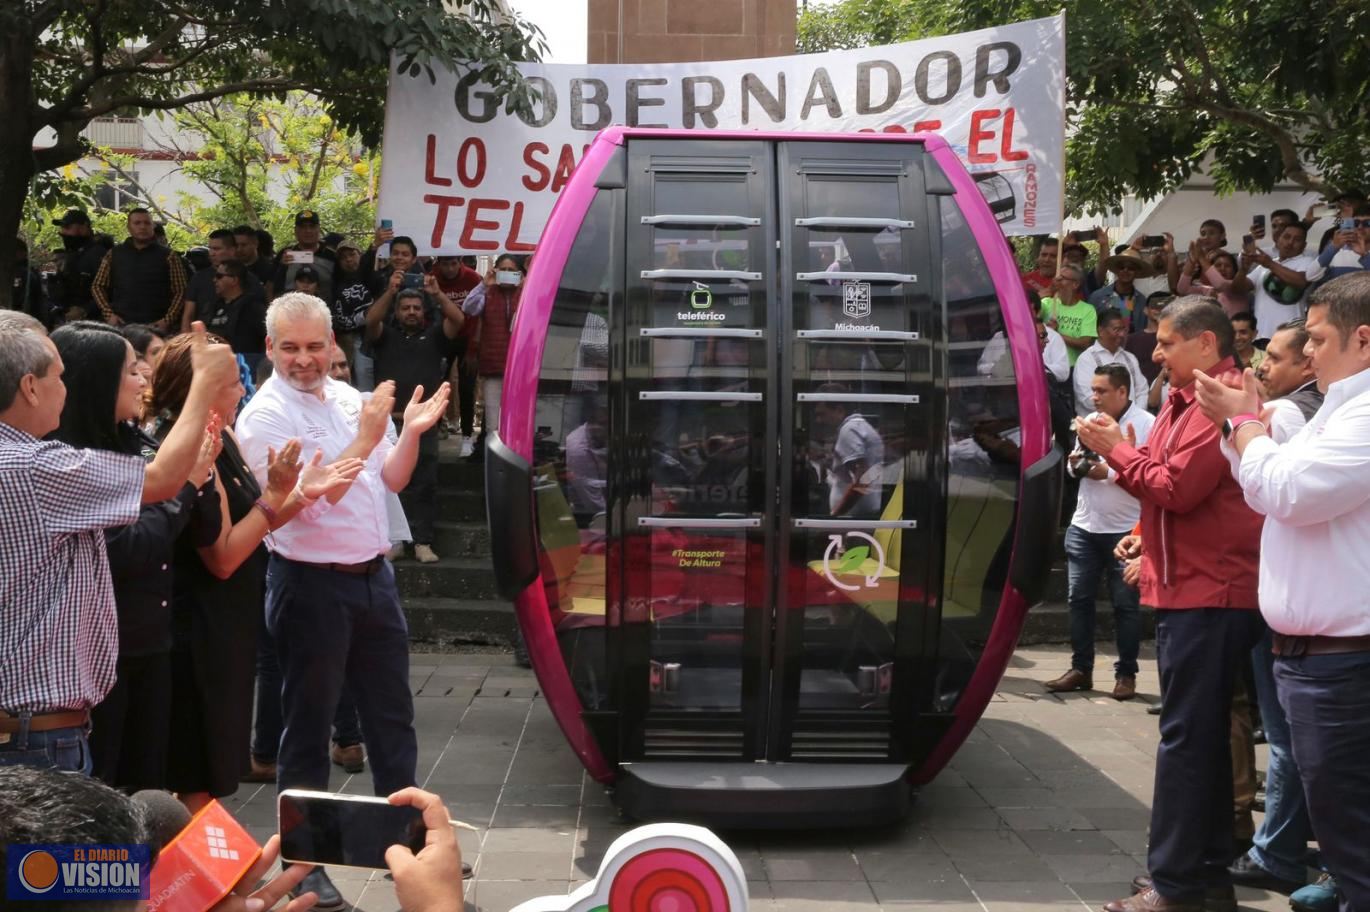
<point x="1231" y="424"/>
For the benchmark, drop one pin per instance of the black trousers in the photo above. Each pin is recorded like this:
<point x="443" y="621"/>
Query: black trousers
<point x="332" y="627"/>
<point x="1199" y="653"/>
<point x="1327" y="700"/>
<point x="130" y="729"/>
<point x="420" y="497"/>
<point x="465" y="392"/>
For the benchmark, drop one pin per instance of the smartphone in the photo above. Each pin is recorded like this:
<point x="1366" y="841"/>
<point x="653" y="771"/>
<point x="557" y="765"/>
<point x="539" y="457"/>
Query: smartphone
<point x="1085" y="235"/>
<point x="1258" y="221"/>
<point x="349" y="830"/>
<point x="1247" y="240"/>
<point x="387" y="223"/>
<point x="1348" y="224"/>
<point x="1154" y="240"/>
<point x="413" y="280"/>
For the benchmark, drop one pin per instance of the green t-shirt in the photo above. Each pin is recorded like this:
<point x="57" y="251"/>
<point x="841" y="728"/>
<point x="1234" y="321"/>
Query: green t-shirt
<point x="1079" y="320"/>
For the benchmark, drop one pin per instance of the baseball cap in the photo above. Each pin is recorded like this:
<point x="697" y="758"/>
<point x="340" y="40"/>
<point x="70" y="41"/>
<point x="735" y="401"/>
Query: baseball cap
<point x="345" y="244"/>
<point x="306" y="217"/>
<point x="308" y="273"/>
<point x="72" y="217"/>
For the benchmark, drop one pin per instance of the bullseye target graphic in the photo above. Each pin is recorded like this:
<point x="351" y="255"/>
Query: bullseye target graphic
<point x="663" y="867"/>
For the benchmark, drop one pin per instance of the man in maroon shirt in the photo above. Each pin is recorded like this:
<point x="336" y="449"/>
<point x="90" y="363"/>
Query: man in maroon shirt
<point x="456" y="279"/>
<point x="1200" y="555"/>
<point x="1043" y="279"/>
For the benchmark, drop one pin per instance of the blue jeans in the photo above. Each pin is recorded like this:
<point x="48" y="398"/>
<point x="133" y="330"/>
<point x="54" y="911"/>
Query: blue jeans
<point x="1281" y="841"/>
<point x="1326" y="699"/>
<point x="1088" y="556"/>
<point x="333" y="628"/>
<point x="62" y="749"/>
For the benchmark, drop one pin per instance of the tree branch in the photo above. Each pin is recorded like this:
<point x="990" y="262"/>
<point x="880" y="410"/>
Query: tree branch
<point x="318" y="164"/>
<point x="68" y="148"/>
<point x="166" y="104"/>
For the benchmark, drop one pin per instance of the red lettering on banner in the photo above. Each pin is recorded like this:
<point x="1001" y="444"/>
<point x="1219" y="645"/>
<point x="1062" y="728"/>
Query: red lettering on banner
<point x="978" y="135"/>
<point x="471" y="145"/>
<point x="926" y="126"/>
<point x="566" y="163"/>
<point x="475" y="223"/>
<point x="1006" y="148"/>
<point x="430" y="161"/>
<point x="443" y="203"/>
<point x="543" y="175"/>
<point x="512" y="243"/>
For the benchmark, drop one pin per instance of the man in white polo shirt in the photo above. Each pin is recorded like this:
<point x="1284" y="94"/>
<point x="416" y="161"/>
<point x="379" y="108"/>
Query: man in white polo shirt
<point x="331" y="604"/>
<point x="1104" y="513"/>
<point x="1108" y="349"/>
<point x="1314" y="491"/>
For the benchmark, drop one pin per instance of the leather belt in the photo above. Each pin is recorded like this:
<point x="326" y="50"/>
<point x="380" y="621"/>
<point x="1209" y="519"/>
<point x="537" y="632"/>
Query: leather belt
<point x="1294" y="646"/>
<point x="48" y="721"/>
<point x="365" y="568"/>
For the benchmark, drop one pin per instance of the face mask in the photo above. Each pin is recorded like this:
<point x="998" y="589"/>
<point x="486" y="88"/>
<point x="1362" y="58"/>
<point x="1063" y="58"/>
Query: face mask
<point x="72" y="242"/>
<point x="508" y="277"/>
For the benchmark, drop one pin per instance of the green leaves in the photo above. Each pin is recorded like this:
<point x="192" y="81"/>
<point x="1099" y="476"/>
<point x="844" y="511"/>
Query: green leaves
<point x="1253" y="95"/>
<point x="853" y="558"/>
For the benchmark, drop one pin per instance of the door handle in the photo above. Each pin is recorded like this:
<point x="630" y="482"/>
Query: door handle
<point x="839" y="525"/>
<point x="720" y="274"/>
<point x="702" y="522"/>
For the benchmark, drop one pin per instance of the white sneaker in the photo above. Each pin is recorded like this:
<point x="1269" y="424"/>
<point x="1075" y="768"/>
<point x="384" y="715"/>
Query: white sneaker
<point x="424" y="554"/>
<point x="468" y="446"/>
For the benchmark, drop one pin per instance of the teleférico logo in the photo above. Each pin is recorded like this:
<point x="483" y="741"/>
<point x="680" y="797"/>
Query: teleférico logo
<point x="89" y="872"/>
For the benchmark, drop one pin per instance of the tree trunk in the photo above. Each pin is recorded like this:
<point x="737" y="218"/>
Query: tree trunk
<point x="16" y="145"/>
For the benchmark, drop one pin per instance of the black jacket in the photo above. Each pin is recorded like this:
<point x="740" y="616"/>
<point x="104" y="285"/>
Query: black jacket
<point x="141" y="565"/>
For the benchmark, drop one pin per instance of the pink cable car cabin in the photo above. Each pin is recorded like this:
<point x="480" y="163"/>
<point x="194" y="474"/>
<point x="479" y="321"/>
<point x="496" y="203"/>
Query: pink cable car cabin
<point x="773" y="484"/>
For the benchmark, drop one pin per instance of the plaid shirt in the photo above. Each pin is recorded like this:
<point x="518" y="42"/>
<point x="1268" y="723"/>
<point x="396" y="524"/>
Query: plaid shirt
<point x="59" y="635"/>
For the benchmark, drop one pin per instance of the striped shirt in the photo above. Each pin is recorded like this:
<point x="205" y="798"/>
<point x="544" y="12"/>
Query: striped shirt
<point x="59" y="635"/>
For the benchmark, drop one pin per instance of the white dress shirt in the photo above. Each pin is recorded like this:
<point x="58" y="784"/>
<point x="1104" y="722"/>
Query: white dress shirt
<point x="356" y="528"/>
<point x="996" y="362"/>
<point x="1103" y="506"/>
<point x="1271" y="313"/>
<point x="1097" y="356"/>
<point x="1315" y="494"/>
<point x="1286" y="420"/>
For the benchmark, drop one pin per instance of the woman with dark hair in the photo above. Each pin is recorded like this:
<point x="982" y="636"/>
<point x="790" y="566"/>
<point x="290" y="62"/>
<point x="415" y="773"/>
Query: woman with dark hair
<point x="147" y="342"/>
<point x="220" y="590"/>
<point x="495" y="301"/>
<point x="131" y="726"/>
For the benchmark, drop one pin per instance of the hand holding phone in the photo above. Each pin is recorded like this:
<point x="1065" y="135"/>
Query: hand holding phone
<point x="430" y="878"/>
<point x="1153" y="240"/>
<point x="349" y="830"/>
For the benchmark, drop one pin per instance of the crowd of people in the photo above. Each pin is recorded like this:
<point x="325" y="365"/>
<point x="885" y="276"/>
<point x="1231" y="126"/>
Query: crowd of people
<point x="1215" y="409"/>
<point x="158" y="429"/>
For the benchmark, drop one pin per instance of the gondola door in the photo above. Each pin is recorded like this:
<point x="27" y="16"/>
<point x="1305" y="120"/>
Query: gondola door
<point x="774" y="474"/>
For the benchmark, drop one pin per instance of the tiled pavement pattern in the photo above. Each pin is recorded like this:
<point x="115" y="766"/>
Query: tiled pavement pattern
<point x="1044" y="808"/>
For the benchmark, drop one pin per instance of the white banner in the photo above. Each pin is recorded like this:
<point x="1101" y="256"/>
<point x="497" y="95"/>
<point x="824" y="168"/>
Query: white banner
<point x="460" y="175"/>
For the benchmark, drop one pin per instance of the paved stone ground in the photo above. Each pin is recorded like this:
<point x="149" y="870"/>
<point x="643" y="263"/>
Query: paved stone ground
<point x="1044" y="808"/>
